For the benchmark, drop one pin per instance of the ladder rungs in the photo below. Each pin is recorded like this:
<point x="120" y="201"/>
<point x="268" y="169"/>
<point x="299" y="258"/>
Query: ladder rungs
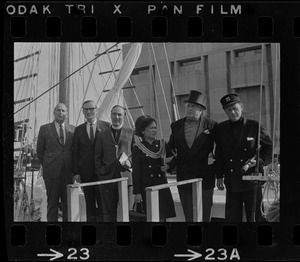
<point x="107" y="72"/>
<point x="125" y="87"/>
<point x="21" y="122"/>
<point x="134" y="107"/>
<point x="27" y="56"/>
<point x="112" y="51"/>
<point x="25" y="77"/>
<point x="23" y="100"/>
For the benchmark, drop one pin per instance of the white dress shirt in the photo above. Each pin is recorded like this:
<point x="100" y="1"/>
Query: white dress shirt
<point x="88" y="126"/>
<point x="57" y="129"/>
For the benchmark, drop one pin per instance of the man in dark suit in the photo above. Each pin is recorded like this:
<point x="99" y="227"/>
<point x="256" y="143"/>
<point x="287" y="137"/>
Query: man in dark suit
<point x="110" y="145"/>
<point x="83" y="156"/>
<point x="192" y="141"/>
<point x="54" y="150"/>
<point x="236" y="155"/>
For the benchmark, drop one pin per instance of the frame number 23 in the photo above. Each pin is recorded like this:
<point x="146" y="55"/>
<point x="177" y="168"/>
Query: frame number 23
<point x="82" y="254"/>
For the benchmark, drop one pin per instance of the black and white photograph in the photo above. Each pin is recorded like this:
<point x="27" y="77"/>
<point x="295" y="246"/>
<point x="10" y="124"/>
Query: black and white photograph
<point x="146" y="132"/>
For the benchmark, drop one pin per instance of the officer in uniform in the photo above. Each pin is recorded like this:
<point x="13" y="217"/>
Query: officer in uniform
<point x="236" y="155"/>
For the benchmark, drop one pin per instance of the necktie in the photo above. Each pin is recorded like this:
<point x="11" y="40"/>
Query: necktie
<point x="61" y="134"/>
<point x="91" y="133"/>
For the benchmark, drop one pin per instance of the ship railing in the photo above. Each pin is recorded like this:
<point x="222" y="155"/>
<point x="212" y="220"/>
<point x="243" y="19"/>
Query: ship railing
<point x="122" y="191"/>
<point x="152" y="199"/>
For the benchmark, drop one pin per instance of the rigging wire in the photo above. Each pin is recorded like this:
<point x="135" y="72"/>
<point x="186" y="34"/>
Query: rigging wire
<point x="88" y="84"/>
<point x="19" y="86"/>
<point x="104" y="88"/>
<point x="121" y="91"/>
<point x="176" y="110"/>
<point x="74" y="72"/>
<point x="97" y="62"/>
<point x="260" y="106"/>
<point x="161" y="84"/>
<point x="35" y="94"/>
<point x="50" y="93"/>
<point x="275" y="103"/>
<point x="272" y="171"/>
<point x="137" y="99"/>
<point x="152" y="80"/>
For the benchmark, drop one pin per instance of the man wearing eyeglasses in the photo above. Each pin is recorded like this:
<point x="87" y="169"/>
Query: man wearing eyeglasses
<point x="83" y="157"/>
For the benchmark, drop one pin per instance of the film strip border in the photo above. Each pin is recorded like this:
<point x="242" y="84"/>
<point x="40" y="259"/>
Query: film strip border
<point x="174" y="21"/>
<point x="157" y="241"/>
<point x="277" y="22"/>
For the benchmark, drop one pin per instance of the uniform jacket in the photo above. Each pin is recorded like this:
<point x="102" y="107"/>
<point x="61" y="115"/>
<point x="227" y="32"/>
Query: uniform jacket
<point x="233" y="152"/>
<point x="146" y="171"/>
<point x="193" y="162"/>
<point x="52" y="154"/>
<point x="83" y="151"/>
<point x="108" y="151"/>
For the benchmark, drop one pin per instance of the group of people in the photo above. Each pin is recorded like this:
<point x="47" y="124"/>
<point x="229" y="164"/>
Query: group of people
<point x="219" y="153"/>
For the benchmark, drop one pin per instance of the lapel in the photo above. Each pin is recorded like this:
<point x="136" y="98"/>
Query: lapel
<point x="54" y="132"/>
<point x="181" y="135"/>
<point x="67" y="129"/>
<point x="201" y="136"/>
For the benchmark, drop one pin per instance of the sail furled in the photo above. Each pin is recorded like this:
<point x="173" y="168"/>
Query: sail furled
<point x="115" y="95"/>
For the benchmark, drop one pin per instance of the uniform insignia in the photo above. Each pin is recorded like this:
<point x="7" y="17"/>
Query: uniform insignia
<point x="250" y="138"/>
<point x="206" y="132"/>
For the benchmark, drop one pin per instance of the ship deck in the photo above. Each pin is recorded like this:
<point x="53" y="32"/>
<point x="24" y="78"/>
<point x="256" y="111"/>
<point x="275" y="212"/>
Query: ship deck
<point x="218" y="208"/>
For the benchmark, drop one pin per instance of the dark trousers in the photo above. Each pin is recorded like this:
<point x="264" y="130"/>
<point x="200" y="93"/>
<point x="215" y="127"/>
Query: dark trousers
<point x="92" y="202"/>
<point x="185" y="194"/>
<point x="109" y="202"/>
<point x="235" y="202"/>
<point x="56" y="191"/>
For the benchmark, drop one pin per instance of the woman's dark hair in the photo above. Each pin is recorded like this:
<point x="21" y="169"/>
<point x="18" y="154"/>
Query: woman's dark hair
<point x="141" y="124"/>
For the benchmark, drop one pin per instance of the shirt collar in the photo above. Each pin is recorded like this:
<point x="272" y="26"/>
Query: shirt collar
<point x="116" y="127"/>
<point x="57" y="124"/>
<point x="93" y="122"/>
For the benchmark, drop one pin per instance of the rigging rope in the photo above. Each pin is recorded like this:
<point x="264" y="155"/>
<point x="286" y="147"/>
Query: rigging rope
<point x="137" y="99"/>
<point x="104" y="88"/>
<point x="35" y="94"/>
<point x="275" y="103"/>
<point x="161" y="84"/>
<point x="152" y="80"/>
<point x="80" y="68"/>
<point x="260" y="106"/>
<point x="129" y="116"/>
<point x="88" y="84"/>
<point x="176" y="110"/>
<point x="272" y="171"/>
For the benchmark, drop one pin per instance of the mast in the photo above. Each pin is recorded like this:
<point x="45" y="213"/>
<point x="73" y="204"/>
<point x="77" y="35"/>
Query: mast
<point x="64" y="71"/>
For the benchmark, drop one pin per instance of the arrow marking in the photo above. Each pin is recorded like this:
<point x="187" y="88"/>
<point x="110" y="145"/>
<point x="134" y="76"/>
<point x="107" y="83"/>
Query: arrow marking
<point x="54" y="255"/>
<point x="193" y="255"/>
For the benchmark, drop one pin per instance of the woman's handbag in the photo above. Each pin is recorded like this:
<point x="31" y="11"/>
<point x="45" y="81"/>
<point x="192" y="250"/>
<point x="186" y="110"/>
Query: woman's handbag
<point x="138" y="213"/>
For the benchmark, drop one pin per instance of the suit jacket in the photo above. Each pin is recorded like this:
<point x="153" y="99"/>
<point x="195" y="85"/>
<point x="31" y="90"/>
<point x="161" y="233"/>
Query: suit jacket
<point x="233" y="152"/>
<point x="108" y="151"/>
<point x="52" y="154"/>
<point x="193" y="162"/>
<point x="83" y="151"/>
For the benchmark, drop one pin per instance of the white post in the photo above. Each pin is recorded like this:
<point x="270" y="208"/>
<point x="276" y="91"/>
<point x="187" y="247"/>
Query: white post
<point x="123" y="200"/>
<point x="152" y="206"/>
<point x="197" y="201"/>
<point x="69" y="202"/>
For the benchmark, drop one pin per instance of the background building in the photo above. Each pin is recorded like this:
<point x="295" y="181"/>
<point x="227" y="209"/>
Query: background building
<point x="166" y="71"/>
